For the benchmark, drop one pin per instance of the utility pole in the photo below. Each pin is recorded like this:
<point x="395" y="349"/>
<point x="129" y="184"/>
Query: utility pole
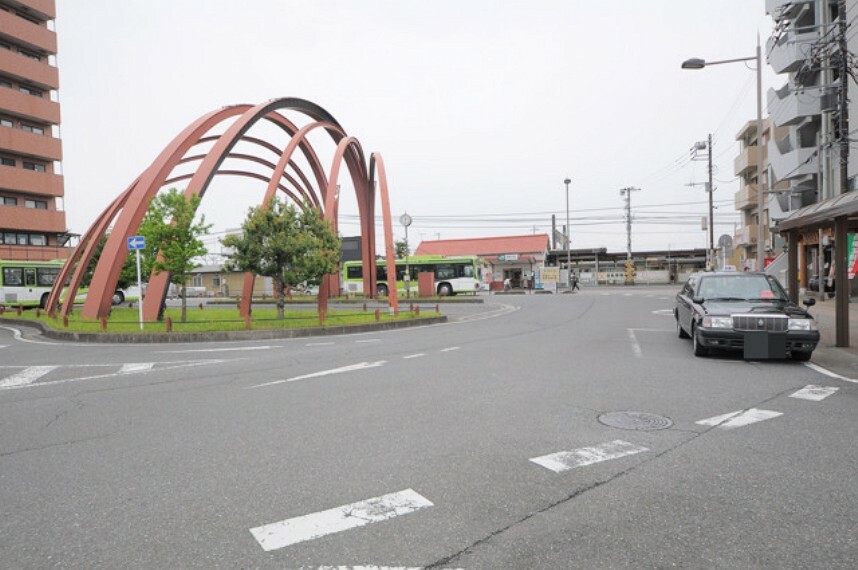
<point x="843" y="124"/>
<point x="627" y="192"/>
<point x="707" y="144"/>
<point x="568" y="181"/>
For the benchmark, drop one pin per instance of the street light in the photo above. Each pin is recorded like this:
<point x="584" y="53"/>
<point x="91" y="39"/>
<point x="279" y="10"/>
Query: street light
<point x="697" y="63"/>
<point x="568" y="241"/>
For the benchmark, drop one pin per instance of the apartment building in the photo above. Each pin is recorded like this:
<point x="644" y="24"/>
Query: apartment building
<point x="32" y="216"/>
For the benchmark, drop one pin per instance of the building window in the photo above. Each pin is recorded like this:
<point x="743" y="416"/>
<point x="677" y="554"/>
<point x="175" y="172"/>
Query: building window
<point x="22" y="239"/>
<point x="31" y="55"/>
<point x="197" y="281"/>
<point x="34" y="166"/>
<point x="36" y="204"/>
<point x="29" y="91"/>
<point x="32" y="129"/>
<point x="6" y="123"/>
<point x="7" y="201"/>
<point x="39" y="240"/>
<point x="5" y="83"/>
<point x="7" y="161"/>
<point x="216" y="281"/>
<point x="9" y="238"/>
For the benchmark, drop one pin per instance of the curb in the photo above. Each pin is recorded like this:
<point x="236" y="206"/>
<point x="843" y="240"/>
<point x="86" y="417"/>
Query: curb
<point x="180" y="337"/>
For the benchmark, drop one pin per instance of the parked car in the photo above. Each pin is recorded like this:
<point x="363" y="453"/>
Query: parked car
<point x="813" y="284"/>
<point x="747" y="312"/>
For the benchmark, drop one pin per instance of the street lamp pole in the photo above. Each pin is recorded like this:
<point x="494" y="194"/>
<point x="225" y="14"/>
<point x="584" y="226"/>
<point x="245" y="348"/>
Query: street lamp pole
<point x="568" y="241"/>
<point x="697" y="63"/>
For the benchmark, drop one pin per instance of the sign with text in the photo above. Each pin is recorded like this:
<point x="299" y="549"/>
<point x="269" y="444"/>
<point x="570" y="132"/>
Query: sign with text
<point x="508" y="257"/>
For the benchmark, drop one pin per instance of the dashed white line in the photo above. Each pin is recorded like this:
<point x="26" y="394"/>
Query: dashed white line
<point x="331" y="372"/>
<point x="4" y="345"/>
<point x="740" y="418"/>
<point x="26" y="376"/>
<point x="133" y="367"/>
<point x="316" y="525"/>
<point x="565" y="460"/>
<point x="319" y="344"/>
<point x="234" y="349"/>
<point x="418" y="355"/>
<point x="450" y="349"/>
<point x="814" y="393"/>
<point x="368" y="340"/>
<point x="636" y="348"/>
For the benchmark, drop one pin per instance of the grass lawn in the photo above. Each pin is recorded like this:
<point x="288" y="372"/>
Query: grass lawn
<point x="125" y="320"/>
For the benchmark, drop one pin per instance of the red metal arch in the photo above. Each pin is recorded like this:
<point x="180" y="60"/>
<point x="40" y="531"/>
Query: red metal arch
<point x="130" y="207"/>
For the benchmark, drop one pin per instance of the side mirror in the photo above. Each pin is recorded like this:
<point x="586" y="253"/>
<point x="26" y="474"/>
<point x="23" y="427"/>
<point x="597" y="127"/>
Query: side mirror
<point x="697" y="300"/>
<point x="809" y="301"/>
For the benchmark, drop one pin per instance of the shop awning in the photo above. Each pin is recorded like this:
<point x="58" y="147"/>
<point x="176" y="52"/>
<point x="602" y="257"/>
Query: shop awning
<point x="821" y="213"/>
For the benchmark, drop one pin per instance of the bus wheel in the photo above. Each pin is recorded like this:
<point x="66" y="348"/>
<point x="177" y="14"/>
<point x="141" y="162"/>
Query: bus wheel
<point x="381" y="290"/>
<point x="445" y="290"/>
<point x="43" y="302"/>
<point x="118" y="298"/>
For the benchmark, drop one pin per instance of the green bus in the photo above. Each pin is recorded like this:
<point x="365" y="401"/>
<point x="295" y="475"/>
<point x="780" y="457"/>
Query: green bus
<point x="29" y="283"/>
<point x="452" y="274"/>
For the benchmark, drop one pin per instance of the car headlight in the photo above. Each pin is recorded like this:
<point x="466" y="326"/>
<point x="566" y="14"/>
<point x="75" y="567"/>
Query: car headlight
<point x="802" y="325"/>
<point x="718" y="322"/>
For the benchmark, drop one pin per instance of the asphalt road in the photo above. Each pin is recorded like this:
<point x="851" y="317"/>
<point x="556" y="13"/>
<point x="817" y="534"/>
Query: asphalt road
<point x="474" y="444"/>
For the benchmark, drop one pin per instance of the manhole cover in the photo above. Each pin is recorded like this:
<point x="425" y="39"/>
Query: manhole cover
<point x="635" y="420"/>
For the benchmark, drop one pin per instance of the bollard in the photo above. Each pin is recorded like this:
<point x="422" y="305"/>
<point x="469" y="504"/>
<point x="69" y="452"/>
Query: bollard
<point x="38" y="313"/>
<point x="169" y="324"/>
<point x="364" y="307"/>
<point x="247" y="322"/>
<point x="377" y="315"/>
<point x="437" y="308"/>
<point x="130" y="305"/>
<point x="410" y="307"/>
<point x="417" y="310"/>
<point x="65" y="321"/>
<point x="20" y="310"/>
<point x="103" y="324"/>
<point x="201" y="306"/>
<point x="2" y="309"/>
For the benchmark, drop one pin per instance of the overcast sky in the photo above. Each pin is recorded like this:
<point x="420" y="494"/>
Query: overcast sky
<point x="480" y="108"/>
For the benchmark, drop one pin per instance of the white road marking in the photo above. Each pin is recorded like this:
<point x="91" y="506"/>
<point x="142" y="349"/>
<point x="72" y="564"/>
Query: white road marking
<point x="341" y="370"/>
<point x="26" y="377"/>
<point x="418" y="355"/>
<point x="450" y="349"/>
<point x="368" y="340"/>
<point x="740" y="418"/>
<point x="319" y="344"/>
<point x="636" y="348"/>
<point x="814" y="393"/>
<point x="235" y="349"/>
<point x="133" y="367"/>
<point x="663" y="312"/>
<point x="829" y="373"/>
<point x="163" y="367"/>
<point x="19" y="336"/>
<point x="3" y="345"/>
<point x="500" y="311"/>
<point x="316" y="525"/>
<point x="565" y="460"/>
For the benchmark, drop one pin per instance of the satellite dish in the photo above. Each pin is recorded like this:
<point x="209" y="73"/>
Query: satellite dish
<point x="725" y="241"/>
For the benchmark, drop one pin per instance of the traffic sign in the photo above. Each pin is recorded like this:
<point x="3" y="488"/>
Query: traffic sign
<point x="136" y="242"/>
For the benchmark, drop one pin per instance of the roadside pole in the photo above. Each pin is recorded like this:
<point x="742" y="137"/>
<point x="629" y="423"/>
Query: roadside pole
<point x="137" y="243"/>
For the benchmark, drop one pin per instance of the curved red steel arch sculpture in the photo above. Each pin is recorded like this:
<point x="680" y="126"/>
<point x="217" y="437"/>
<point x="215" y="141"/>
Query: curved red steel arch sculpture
<point x="126" y="212"/>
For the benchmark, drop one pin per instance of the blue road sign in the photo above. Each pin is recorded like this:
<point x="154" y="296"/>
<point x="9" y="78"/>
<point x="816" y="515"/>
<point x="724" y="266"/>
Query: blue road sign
<point x="136" y="242"/>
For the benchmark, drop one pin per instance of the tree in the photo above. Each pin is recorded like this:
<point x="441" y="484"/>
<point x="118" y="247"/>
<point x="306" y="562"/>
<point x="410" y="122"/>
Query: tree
<point x="128" y="276"/>
<point x="291" y="245"/>
<point x="172" y="237"/>
<point x="400" y="248"/>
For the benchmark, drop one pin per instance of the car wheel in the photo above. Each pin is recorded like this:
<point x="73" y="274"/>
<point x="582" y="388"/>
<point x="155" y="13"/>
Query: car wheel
<point x="381" y="290"/>
<point x="118" y="298"/>
<point x="801" y="356"/>
<point x="699" y="349"/>
<point x="680" y="332"/>
<point x="445" y="290"/>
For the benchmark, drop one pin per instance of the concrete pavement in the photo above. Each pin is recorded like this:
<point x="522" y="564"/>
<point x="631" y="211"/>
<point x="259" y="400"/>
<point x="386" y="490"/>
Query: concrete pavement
<point x="843" y="360"/>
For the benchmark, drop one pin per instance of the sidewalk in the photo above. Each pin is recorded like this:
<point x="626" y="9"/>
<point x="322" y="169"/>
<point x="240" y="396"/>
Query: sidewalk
<point x="844" y="360"/>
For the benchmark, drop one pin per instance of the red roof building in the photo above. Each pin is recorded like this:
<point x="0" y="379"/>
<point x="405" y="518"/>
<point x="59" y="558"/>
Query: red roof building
<point x="516" y="258"/>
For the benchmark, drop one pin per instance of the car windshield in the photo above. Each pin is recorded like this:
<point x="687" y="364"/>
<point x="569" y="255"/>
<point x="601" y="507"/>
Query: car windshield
<point x="740" y="287"/>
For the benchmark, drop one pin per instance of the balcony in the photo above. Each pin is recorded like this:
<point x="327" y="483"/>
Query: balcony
<point x="746" y="235"/>
<point x="31" y="220"/>
<point x="787" y="108"/>
<point x="36" y="183"/>
<point x="746" y="162"/>
<point x="40" y="109"/>
<point x="17" y="141"/>
<point x="789" y="52"/>
<point x="26" y="32"/>
<point x="746" y="197"/>
<point x="788" y="161"/>
<point x="42" y="9"/>
<point x="22" y="67"/>
<point x="785" y="8"/>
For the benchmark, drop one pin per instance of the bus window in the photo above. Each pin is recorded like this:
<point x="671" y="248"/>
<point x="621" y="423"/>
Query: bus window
<point x="13" y="276"/>
<point x="381" y="273"/>
<point x="354" y="272"/>
<point x="30" y="277"/>
<point x="400" y="272"/>
<point x="464" y="270"/>
<point x="46" y="276"/>
<point x="445" y="271"/>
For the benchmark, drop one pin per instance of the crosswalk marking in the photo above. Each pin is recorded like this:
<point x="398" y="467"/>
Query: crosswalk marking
<point x="740" y="418"/>
<point x="814" y="393"/>
<point x="316" y="525"/>
<point x="565" y="460"/>
<point x="132" y="367"/>
<point x="26" y="376"/>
